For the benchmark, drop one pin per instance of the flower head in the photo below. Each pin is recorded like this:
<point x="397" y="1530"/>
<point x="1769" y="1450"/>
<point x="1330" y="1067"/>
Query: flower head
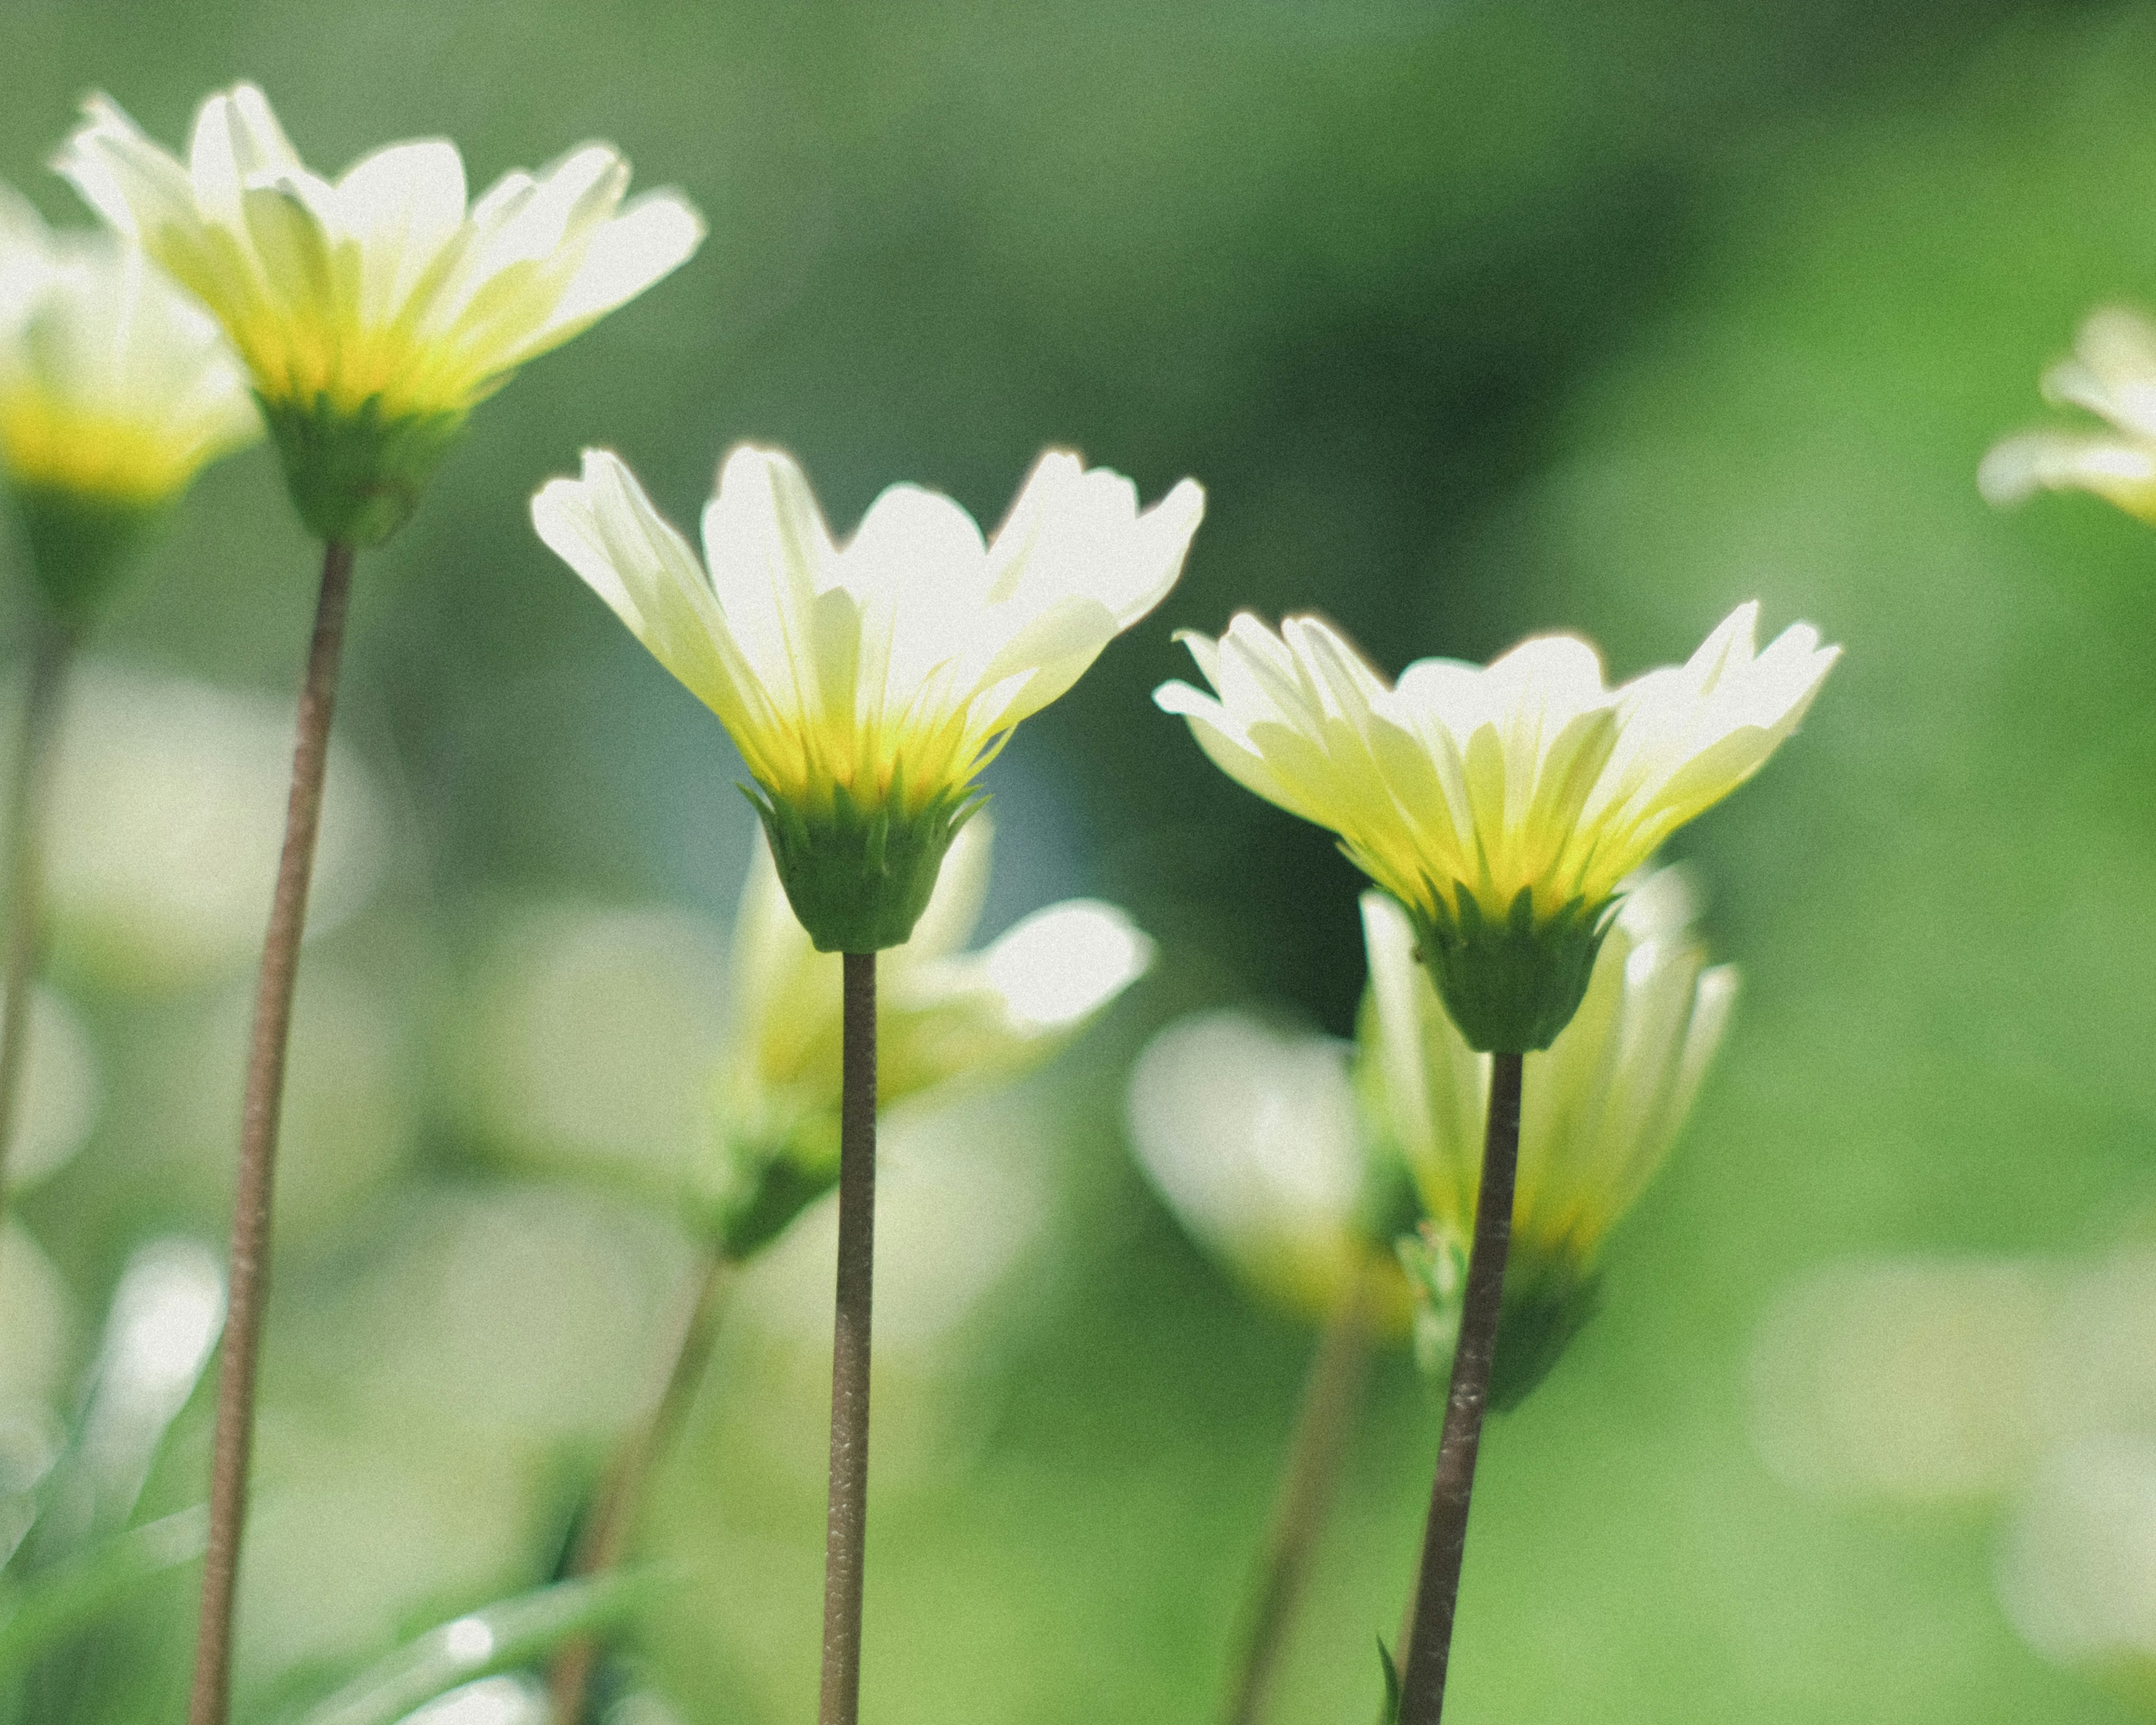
<point x="1254" y="1135"/>
<point x="115" y="389"/>
<point x="945" y="1019"/>
<point x="866" y="684"/>
<point x="1503" y="805"/>
<point x="1600" y="1108"/>
<point x="2112" y="374"/>
<point x="375" y="311"/>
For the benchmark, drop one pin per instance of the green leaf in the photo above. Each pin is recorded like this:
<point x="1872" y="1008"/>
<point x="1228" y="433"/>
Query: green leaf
<point x="36" y="1614"/>
<point x="1390" y="1713"/>
<point x="499" y="1637"/>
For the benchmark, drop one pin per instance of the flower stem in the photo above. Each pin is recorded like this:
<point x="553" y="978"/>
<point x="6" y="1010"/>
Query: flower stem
<point x="1330" y="1396"/>
<point x="846" y="1530"/>
<point x="26" y="844"/>
<point x="210" y="1703"/>
<point x="604" y="1535"/>
<point x="1445" y="1539"/>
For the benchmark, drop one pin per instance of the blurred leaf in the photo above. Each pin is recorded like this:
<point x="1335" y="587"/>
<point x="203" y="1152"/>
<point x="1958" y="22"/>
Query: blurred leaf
<point x="500" y="1637"/>
<point x="36" y="1614"/>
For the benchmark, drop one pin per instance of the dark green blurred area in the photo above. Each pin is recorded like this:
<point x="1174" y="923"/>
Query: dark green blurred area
<point x="1475" y="319"/>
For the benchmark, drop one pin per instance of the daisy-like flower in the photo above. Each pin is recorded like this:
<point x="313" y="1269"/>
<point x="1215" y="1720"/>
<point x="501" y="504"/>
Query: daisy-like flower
<point x="1602" y="1106"/>
<point x="115" y="389"/>
<point x="866" y="685"/>
<point x="2112" y="374"/>
<point x="944" y="1018"/>
<point x="1503" y="805"/>
<point x="374" y="312"/>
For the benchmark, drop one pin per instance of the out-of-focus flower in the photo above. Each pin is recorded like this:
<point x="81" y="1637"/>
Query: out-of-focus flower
<point x="1254" y="1135"/>
<point x="1502" y="806"/>
<point x="373" y="313"/>
<point x="943" y="1018"/>
<point x="115" y="388"/>
<point x="866" y="685"/>
<point x="2112" y="374"/>
<point x="1601" y="1107"/>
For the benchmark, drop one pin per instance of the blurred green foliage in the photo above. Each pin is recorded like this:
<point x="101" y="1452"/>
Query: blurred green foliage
<point x="1475" y="319"/>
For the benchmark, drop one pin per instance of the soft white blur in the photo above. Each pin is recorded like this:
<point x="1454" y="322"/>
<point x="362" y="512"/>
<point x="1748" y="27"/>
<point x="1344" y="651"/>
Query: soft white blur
<point x="167" y="819"/>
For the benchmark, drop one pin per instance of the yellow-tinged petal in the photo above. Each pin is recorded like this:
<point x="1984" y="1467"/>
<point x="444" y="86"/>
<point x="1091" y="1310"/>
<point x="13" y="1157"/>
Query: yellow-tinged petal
<point x="381" y="292"/>
<point x="888" y="669"/>
<point x="1528" y="776"/>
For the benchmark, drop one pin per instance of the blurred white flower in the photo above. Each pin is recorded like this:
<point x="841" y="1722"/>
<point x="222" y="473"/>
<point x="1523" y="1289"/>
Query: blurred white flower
<point x="115" y="386"/>
<point x="2112" y="374"/>
<point x="945" y="1019"/>
<point x="167" y="800"/>
<point x="1253" y="1136"/>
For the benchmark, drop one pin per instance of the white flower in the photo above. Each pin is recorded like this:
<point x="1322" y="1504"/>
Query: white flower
<point x="2112" y="374"/>
<point x="1600" y="1108"/>
<point x="115" y="388"/>
<point x="943" y="1015"/>
<point x="892" y="667"/>
<point x="1253" y="1136"/>
<point x="383" y="286"/>
<point x="1529" y="775"/>
<point x="866" y="684"/>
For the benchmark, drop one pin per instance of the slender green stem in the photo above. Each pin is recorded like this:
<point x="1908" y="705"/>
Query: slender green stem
<point x="1331" y="1395"/>
<point x="845" y="1537"/>
<point x="27" y="797"/>
<point x="1445" y="1539"/>
<point x="603" y="1538"/>
<point x="211" y="1701"/>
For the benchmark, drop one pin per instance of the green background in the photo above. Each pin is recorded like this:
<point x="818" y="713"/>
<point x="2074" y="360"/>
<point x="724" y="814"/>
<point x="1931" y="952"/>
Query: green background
<point x="1475" y="319"/>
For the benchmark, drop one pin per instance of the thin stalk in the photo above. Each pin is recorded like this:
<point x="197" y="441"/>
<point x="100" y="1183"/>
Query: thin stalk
<point x="1444" y="1538"/>
<point x="846" y="1536"/>
<point x="603" y="1538"/>
<point x="1330" y="1396"/>
<point x="27" y="797"/>
<point x="211" y="1701"/>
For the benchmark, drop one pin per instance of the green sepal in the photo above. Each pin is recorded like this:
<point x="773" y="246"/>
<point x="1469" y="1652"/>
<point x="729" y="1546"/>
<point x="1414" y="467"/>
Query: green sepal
<point x="1546" y="1304"/>
<point x="80" y="545"/>
<point x="761" y="1182"/>
<point x="356" y="475"/>
<point x="1510" y="986"/>
<point x="1389" y="1712"/>
<point x="859" y="878"/>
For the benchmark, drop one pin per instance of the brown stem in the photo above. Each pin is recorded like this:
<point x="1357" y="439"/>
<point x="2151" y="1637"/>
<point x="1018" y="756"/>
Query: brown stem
<point x="26" y="844"/>
<point x="604" y="1535"/>
<point x="846" y="1530"/>
<point x="1330" y="1398"/>
<point x="210" y="1703"/>
<point x="1445" y="1539"/>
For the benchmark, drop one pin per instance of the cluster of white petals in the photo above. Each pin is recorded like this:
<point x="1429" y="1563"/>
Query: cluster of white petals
<point x="1601" y="1106"/>
<point x="943" y="1014"/>
<point x="890" y="668"/>
<point x="2112" y="374"/>
<point x="115" y="386"/>
<point x="382" y="286"/>
<point x="1528" y="775"/>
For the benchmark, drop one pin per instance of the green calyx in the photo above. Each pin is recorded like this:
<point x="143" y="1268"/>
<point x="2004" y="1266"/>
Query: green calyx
<point x="356" y="475"/>
<point x="80" y="545"/>
<point x="761" y="1181"/>
<point x="859" y="878"/>
<point x="1510" y="985"/>
<point x="1547" y="1302"/>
